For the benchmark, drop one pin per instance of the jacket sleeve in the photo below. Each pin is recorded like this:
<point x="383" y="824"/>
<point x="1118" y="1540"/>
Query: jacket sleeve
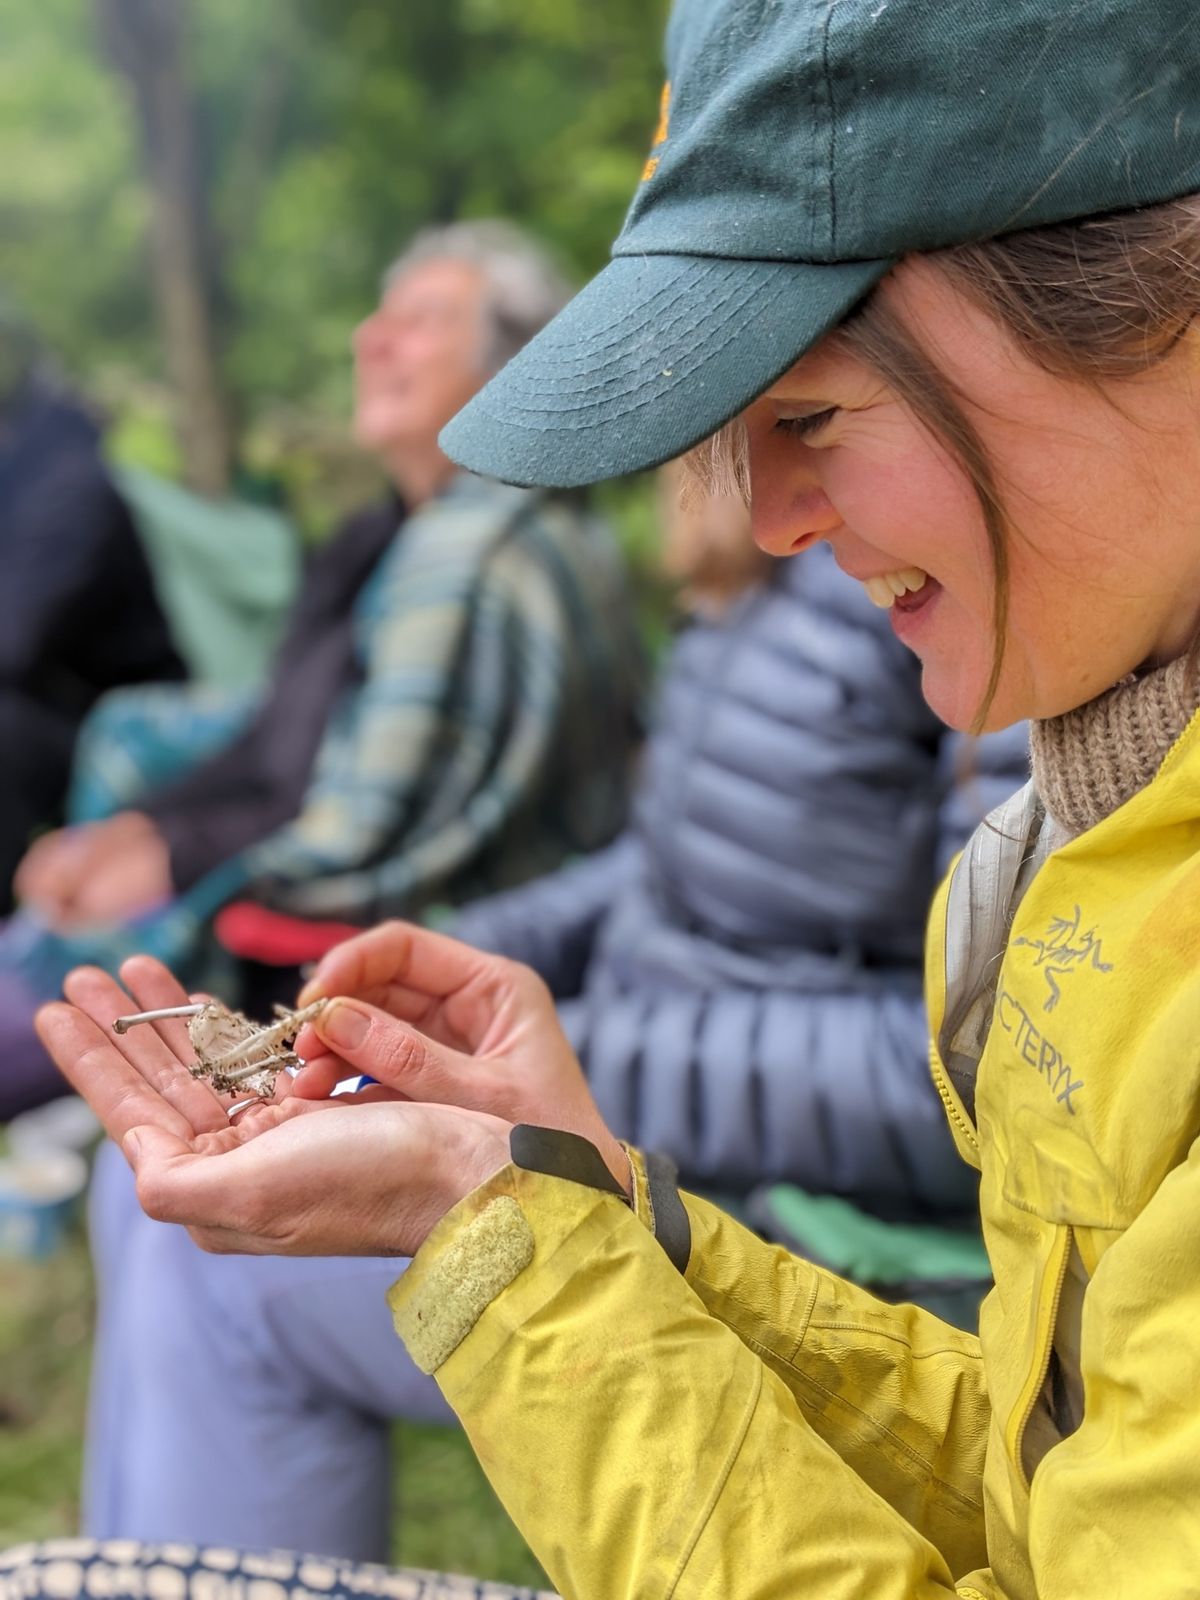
<point x="755" y="1429"/>
<point x="551" y="923"/>
<point x="1110" y="1507"/>
<point x="744" y="1086"/>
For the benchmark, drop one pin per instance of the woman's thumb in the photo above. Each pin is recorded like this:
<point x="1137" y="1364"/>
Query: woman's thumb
<point x="391" y="1052"/>
<point x="148" y="1145"/>
<point x="344" y="1026"/>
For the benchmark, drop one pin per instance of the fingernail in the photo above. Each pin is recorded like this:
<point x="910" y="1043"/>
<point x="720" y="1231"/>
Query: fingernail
<point x="131" y="1145"/>
<point x="343" y="1024"/>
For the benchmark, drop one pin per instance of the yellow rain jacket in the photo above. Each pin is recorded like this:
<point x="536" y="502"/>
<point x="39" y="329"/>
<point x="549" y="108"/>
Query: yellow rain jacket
<point x="757" y="1428"/>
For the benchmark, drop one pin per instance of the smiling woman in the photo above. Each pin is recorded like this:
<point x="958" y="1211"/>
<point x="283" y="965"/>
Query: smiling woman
<point x="987" y="348"/>
<point x="454" y="307"/>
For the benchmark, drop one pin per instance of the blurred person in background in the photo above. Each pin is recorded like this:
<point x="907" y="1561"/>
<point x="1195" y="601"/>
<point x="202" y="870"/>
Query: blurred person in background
<point x="740" y="975"/>
<point x="453" y="705"/>
<point x="78" y="610"/>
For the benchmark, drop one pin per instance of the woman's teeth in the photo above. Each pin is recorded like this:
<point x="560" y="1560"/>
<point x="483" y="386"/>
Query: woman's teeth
<point x="885" y="590"/>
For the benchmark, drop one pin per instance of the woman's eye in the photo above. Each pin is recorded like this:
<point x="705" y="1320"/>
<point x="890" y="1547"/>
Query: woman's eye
<point x="804" y="427"/>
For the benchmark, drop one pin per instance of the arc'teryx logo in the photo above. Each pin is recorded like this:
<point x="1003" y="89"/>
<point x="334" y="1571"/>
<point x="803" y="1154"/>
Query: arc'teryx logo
<point x="1065" y="949"/>
<point x="1042" y="1054"/>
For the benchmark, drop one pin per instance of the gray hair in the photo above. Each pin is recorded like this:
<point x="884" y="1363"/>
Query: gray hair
<point x="523" y="287"/>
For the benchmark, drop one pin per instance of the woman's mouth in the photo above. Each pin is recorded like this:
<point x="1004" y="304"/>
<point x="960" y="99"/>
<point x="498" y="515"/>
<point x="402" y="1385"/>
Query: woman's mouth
<point x="904" y="593"/>
<point x="917" y="599"/>
<point x="894" y="588"/>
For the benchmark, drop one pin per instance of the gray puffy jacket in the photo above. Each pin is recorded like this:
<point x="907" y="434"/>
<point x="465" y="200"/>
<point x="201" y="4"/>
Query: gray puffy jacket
<point x="741" y="971"/>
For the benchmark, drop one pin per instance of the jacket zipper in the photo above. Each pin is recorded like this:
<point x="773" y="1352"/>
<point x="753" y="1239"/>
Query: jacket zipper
<point x="942" y="1083"/>
<point x="1055" y="1274"/>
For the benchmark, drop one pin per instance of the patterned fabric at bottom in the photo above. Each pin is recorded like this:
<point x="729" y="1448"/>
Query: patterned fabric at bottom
<point x="63" y="1569"/>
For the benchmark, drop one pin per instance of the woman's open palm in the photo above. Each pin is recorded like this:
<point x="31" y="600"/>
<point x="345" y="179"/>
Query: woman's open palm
<point x="362" y="1174"/>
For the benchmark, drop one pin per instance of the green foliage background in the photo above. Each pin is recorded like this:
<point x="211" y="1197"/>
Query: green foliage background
<point x="331" y="130"/>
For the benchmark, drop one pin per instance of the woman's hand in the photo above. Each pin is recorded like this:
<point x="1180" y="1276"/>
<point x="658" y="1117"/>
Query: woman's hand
<point x="363" y="1174"/>
<point x="436" y="1020"/>
<point x="51" y="870"/>
<point x="96" y="872"/>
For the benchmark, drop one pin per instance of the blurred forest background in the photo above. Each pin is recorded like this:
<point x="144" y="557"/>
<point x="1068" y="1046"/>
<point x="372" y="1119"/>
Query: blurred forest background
<point x="197" y="198"/>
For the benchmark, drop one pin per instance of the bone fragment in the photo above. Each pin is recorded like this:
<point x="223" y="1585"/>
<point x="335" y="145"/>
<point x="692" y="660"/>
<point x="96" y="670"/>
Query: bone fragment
<point x="239" y="1074"/>
<point x="123" y="1024"/>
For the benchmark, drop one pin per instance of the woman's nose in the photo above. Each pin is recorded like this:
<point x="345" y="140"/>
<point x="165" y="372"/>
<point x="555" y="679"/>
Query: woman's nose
<point x="784" y="524"/>
<point x="370" y="337"/>
<point x="789" y="510"/>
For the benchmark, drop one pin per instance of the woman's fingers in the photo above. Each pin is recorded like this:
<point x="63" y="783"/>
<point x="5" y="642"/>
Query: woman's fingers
<point x="154" y="987"/>
<point x="453" y="993"/>
<point x="320" y="1076"/>
<point x="114" y="1088"/>
<point x="397" y="1056"/>
<point x="51" y="868"/>
<point x="400" y="953"/>
<point x="103" y="1000"/>
<point x="175" y="1183"/>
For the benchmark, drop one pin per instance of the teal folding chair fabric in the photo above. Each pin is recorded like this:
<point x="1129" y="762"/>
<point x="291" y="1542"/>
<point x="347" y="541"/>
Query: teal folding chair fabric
<point x="226" y="573"/>
<point x="942" y="1266"/>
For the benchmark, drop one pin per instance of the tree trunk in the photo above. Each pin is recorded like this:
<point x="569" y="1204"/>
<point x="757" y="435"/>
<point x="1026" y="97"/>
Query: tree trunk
<point x="145" y="39"/>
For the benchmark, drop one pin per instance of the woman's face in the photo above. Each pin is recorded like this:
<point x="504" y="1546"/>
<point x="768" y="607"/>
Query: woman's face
<point x="418" y="356"/>
<point x="1102" y="501"/>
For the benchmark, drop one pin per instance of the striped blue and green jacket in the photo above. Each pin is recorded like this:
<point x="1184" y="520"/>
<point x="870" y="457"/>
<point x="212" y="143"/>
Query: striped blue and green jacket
<point x="492" y="733"/>
<point x="488" y="736"/>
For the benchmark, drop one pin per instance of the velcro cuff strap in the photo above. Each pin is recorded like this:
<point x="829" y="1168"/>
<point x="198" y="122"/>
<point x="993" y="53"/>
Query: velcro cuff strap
<point x="559" y="1154"/>
<point x="672" y="1228"/>
<point x="483" y="1258"/>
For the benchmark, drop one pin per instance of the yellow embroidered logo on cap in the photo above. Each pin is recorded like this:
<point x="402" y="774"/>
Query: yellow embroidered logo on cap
<point x="660" y="133"/>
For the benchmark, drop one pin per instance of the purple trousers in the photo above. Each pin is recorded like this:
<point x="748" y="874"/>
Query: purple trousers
<point x="28" y="1077"/>
<point x="240" y="1400"/>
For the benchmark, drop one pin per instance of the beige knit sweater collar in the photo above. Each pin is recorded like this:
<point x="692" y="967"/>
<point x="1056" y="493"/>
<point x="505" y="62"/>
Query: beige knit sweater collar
<point x="1093" y="759"/>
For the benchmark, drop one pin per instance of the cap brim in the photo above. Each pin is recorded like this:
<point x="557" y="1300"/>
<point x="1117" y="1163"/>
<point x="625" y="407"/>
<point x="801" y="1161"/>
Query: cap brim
<point x="653" y="356"/>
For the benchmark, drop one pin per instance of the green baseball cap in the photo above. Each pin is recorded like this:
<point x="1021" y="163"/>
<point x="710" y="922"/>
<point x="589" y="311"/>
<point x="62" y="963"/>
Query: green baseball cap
<point x="805" y="146"/>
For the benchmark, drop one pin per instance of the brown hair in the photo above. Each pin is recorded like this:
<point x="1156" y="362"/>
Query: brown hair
<point x="706" y="546"/>
<point x="1092" y="302"/>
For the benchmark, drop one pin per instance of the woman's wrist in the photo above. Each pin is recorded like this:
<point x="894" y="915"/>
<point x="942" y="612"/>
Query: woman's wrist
<point x="476" y="1153"/>
<point x="482" y="1150"/>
